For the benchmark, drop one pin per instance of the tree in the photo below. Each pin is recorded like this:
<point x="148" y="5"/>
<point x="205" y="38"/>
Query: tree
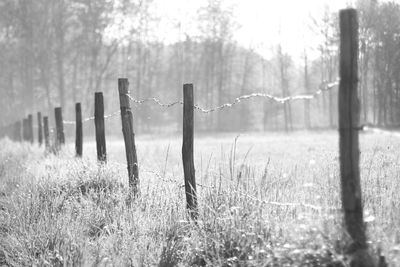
<point x="307" y="120"/>
<point x="284" y="63"/>
<point x="216" y="26"/>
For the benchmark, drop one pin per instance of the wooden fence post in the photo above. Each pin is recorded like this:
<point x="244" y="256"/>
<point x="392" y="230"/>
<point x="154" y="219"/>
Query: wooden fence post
<point x="78" y="134"/>
<point x="99" y="125"/>
<point x="60" y="140"/>
<point x="349" y="115"/>
<point x="40" y="130"/>
<point x="187" y="151"/>
<point x="129" y="135"/>
<point x="46" y="132"/>
<point x="5" y="131"/>
<point x="25" y="126"/>
<point x="30" y="128"/>
<point x="17" y="131"/>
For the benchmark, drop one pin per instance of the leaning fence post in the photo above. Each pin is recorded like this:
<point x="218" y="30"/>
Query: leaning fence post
<point x="187" y="151"/>
<point x="40" y="131"/>
<point x="59" y="127"/>
<point x="349" y="114"/>
<point x="99" y="125"/>
<point x="129" y="135"/>
<point x="78" y="134"/>
<point x="30" y="128"/>
<point x="46" y="132"/>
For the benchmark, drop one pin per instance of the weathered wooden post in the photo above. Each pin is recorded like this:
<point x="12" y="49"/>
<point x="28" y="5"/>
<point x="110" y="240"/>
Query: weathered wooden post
<point x="5" y="131"/>
<point x="187" y="151"/>
<point x="78" y="134"/>
<point x="17" y="131"/>
<point x="40" y="130"/>
<point x="99" y="125"/>
<point x="349" y="114"/>
<point x="46" y="132"/>
<point x="30" y="128"/>
<point x="25" y="126"/>
<point x="129" y="135"/>
<point x="60" y="140"/>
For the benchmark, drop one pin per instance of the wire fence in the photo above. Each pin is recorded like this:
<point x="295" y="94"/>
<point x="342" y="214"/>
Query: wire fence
<point x="323" y="87"/>
<point x="161" y="176"/>
<point x="111" y="115"/>
<point x="326" y="86"/>
<point x="378" y="130"/>
<point x="282" y="100"/>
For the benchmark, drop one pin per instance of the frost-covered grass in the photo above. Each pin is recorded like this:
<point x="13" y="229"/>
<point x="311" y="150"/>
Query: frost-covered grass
<point x="265" y="200"/>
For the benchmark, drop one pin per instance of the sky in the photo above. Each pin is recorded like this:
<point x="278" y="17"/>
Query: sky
<point x="262" y="23"/>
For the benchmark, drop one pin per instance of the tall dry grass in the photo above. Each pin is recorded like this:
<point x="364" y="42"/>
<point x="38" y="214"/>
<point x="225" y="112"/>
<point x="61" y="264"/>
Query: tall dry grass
<point x="264" y="201"/>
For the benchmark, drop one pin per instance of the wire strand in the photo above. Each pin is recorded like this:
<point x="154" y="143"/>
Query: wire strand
<point x="323" y="87"/>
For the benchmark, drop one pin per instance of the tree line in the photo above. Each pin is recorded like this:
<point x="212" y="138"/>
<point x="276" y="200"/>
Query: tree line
<point x="56" y="53"/>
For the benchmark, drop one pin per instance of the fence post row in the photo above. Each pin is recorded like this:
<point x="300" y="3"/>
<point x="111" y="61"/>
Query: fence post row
<point x="78" y="134"/>
<point x="46" y="132"/>
<point x="187" y="151"/>
<point x="349" y="116"/>
<point x="59" y="127"/>
<point x="129" y="135"/>
<point x="40" y="130"/>
<point x="99" y="125"/>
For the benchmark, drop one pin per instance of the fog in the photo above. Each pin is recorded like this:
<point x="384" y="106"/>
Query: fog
<point x="58" y="53"/>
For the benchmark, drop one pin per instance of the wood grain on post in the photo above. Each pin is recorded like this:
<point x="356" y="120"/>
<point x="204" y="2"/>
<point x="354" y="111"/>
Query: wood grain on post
<point x="99" y="125"/>
<point x="59" y="127"/>
<point x="349" y="113"/>
<point x="46" y="132"/>
<point x="129" y="135"/>
<point x="40" y="129"/>
<point x="30" y="128"/>
<point x="78" y="134"/>
<point x="187" y="151"/>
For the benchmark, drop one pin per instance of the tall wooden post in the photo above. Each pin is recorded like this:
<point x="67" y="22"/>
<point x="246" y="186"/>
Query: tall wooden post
<point x="129" y="135"/>
<point x="78" y="134"/>
<point x="349" y="116"/>
<point x="59" y="127"/>
<point x="25" y="126"/>
<point x="40" y="129"/>
<point x="30" y="128"/>
<point x="17" y="131"/>
<point x="46" y="132"/>
<point x="187" y="151"/>
<point x="99" y="125"/>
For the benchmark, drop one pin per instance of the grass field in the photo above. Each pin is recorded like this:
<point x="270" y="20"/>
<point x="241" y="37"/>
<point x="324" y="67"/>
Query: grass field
<point x="265" y="200"/>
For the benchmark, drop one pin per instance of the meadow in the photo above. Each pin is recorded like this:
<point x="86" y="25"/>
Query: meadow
<point x="265" y="199"/>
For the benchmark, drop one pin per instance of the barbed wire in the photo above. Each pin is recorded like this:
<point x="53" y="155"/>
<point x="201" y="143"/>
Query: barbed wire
<point x="323" y="87"/>
<point x="141" y="168"/>
<point x="92" y="118"/>
<point x="163" y="178"/>
<point x="377" y="130"/>
<point x="155" y="100"/>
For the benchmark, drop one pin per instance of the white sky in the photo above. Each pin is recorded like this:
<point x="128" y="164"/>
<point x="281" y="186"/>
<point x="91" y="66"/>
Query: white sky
<point x="260" y="21"/>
